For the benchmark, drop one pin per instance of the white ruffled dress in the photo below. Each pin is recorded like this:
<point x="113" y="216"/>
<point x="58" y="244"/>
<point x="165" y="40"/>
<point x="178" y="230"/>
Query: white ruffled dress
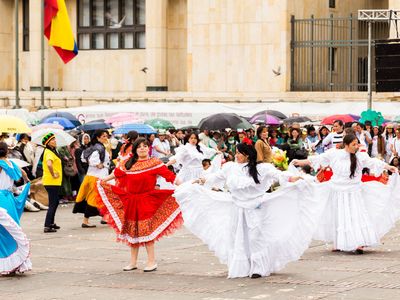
<point x="191" y="160"/>
<point x="356" y="213"/>
<point x="251" y="231"/>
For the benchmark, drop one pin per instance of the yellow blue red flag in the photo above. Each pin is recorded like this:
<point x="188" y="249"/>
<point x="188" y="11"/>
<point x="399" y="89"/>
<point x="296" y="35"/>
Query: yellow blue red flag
<point x="58" y="30"/>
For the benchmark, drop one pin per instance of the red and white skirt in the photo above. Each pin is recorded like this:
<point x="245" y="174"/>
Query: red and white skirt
<point x="139" y="218"/>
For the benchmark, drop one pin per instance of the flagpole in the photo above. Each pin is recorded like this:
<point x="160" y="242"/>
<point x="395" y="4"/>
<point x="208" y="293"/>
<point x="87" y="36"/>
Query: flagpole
<point x="17" y="105"/>
<point x="42" y="106"/>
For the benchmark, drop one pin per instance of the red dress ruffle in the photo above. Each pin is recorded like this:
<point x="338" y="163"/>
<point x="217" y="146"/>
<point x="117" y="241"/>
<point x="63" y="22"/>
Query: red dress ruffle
<point x="137" y="211"/>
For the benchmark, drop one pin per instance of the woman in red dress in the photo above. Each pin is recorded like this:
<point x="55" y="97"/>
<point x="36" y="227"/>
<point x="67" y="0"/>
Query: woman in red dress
<point x="139" y="213"/>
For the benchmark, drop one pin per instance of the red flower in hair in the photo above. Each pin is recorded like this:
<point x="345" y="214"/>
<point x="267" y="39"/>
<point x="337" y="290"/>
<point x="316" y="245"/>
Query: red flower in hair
<point x="247" y="141"/>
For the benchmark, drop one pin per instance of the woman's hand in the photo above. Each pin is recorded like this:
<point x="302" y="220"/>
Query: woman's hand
<point x="295" y="178"/>
<point x="100" y="166"/>
<point x="56" y="175"/>
<point x="393" y="169"/>
<point x="200" y="181"/>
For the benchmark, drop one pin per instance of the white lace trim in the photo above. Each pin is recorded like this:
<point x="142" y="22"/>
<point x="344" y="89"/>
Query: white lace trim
<point x="141" y="171"/>
<point x="154" y="234"/>
<point x="107" y="203"/>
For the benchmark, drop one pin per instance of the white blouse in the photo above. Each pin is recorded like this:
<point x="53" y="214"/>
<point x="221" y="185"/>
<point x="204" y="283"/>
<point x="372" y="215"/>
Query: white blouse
<point x="339" y="162"/>
<point x="245" y="192"/>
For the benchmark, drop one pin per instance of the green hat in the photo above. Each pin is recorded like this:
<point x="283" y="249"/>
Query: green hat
<point x="47" y="138"/>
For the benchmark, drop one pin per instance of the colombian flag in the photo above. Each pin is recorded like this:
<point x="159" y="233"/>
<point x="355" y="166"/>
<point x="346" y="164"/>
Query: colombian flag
<point x="58" y="30"/>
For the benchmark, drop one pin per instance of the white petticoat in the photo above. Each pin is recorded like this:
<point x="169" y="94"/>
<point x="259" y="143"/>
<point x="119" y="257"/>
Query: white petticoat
<point x="252" y="241"/>
<point x="357" y="215"/>
<point x="18" y="261"/>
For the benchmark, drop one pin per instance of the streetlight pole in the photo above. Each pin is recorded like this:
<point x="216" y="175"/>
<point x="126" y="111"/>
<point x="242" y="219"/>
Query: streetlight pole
<point x="17" y="104"/>
<point x="369" y="65"/>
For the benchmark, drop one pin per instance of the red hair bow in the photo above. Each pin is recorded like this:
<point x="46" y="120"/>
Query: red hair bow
<point x="247" y="141"/>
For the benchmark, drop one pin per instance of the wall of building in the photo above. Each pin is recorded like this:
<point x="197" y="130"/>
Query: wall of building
<point x="177" y="65"/>
<point x="6" y="45"/>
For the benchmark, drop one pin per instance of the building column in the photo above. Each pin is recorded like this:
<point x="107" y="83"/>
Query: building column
<point x="156" y="45"/>
<point x="394" y="4"/>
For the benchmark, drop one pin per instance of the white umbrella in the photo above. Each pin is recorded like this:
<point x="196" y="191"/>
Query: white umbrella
<point x="19" y="162"/>
<point x="62" y="138"/>
<point x="46" y="126"/>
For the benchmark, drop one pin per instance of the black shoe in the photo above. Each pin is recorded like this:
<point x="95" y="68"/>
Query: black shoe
<point x="358" y="251"/>
<point x="253" y="276"/>
<point x="55" y="226"/>
<point x="103" y="222"/>
<point x="49" y="229"/>
<point x="88" y="225"/>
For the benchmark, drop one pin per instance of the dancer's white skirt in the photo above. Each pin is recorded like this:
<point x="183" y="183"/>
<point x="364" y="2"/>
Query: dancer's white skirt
<point x="259" y="240"/>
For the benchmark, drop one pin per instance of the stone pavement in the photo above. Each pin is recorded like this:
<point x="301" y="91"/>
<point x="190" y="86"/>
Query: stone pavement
<point x="77" y="263"/>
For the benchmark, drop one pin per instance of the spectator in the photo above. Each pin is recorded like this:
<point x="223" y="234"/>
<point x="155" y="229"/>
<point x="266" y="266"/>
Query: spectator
<point x="378" y="143"/>
<point x="264" y="152"/>
<point x="161" y="146"/>
<point x="335" y="137"/>
<point x="52" y="179"/>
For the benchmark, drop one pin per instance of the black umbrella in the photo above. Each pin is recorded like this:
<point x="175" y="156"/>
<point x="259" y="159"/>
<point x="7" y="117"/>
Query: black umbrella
<point x="274" y="113"/>
<point x="91" y="126"/>
<point x="65" y="115"/>
<point x="222" y="121"/>
<point x="299" y="119"/>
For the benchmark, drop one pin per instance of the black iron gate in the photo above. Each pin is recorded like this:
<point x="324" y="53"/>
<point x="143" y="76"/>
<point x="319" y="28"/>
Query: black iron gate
<point x="331" y="54"/>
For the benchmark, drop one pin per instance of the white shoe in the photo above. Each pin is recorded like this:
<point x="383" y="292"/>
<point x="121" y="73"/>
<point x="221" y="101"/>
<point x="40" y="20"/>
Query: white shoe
<point x="129" y="268"/>
<point x="150" y="269"/>
<point x="30" y="207"/>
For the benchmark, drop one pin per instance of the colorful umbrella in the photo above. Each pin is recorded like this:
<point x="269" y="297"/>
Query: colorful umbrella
<point x="59" y="114"/>
<point x="46" y="125"/>
<point x="11" y="124"/>
<point x="222" y="121"/>
<point x="123" y="118"/>
<point x="344" y="118"/>
<point x="270" y="112"/>
<point x="298" y="119"/>
<point x="67" y="124"/>
<point x="160" y="124"/>
<point x="140" y="128"/>
<point x="373" y="116"/>
<point x="62" y="137"/>
<point x="265" y="119"/>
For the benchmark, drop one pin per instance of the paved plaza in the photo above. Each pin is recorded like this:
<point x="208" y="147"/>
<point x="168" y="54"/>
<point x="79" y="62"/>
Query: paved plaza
<point x="77" y="263"/>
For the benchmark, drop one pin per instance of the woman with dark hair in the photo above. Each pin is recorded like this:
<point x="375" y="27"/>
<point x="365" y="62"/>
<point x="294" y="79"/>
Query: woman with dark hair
<point x="357" y="213"/>
<point x="378" y="147"/>
<point x="296" y="146"/>
<point x="98" y="160"/>
<point x="389" y="136"/>
<point x="323" y="132"/>
<point x="126" y="148"/>
<point x="14" y="246"/>
<point x="190" y="157"/>
<point x="264" y="151"/>
<point x="255" y="233"/>
<point x="139" y="213"/>
<point x="82" y="167"/>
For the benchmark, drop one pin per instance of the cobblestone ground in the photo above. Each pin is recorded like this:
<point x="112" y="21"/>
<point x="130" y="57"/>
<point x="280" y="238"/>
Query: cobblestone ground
<point x="77" y="263"/>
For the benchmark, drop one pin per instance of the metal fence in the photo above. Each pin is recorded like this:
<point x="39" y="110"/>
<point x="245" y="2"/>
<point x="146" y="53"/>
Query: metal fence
<point x="331" y="54"/>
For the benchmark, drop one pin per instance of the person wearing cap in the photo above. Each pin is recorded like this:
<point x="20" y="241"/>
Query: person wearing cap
<point x="389" y="136"/>
<point x="52" y="179"/>
<point x="161" y="147"/>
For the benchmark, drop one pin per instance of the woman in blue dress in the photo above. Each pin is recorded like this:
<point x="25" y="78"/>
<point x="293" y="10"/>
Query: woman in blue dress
<point x="14" y="246"/>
